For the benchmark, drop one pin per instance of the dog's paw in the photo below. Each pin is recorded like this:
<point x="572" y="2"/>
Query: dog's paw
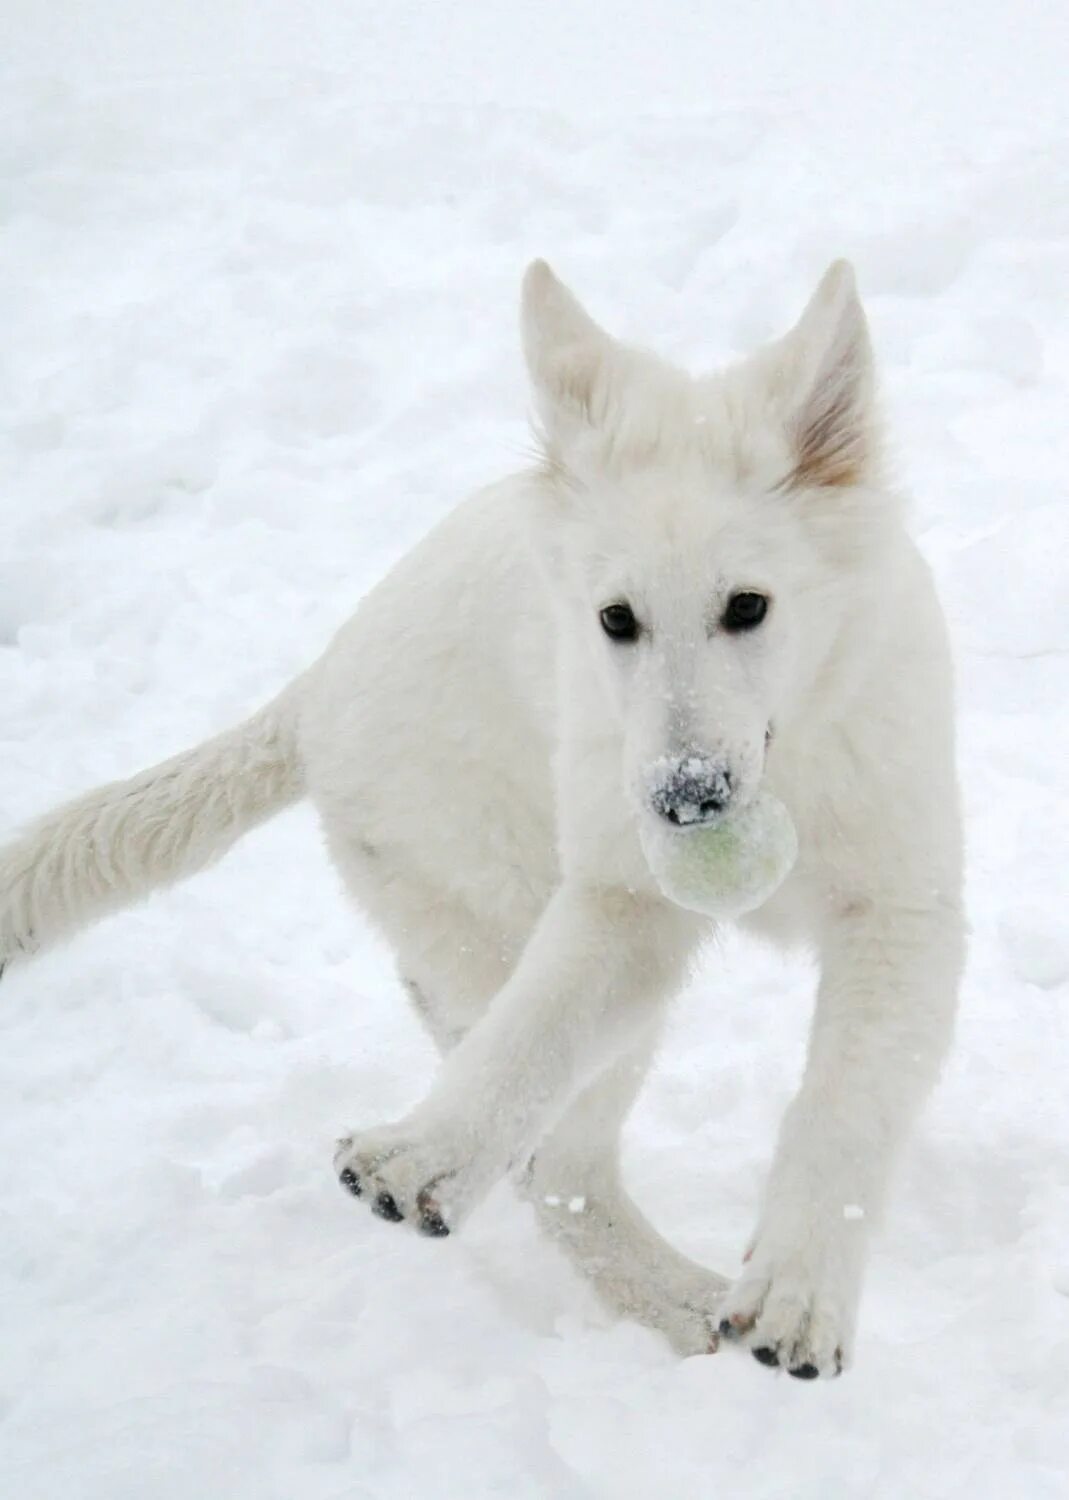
<point x="430" y="1180"/>
<point x="689" y="1330"/>
<point x="791" y="1314"/>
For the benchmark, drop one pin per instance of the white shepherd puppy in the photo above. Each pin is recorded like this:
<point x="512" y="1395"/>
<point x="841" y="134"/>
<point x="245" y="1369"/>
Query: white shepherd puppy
<point x="700" y="577"/>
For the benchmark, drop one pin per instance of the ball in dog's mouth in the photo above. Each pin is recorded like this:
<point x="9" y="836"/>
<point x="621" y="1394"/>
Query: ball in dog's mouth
<point x="727" y="868"/>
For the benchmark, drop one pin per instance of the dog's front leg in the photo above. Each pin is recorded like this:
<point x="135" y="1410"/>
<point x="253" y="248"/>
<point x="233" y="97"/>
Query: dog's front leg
<point x="597" y="968"/>
<point x="883" y="1020"/>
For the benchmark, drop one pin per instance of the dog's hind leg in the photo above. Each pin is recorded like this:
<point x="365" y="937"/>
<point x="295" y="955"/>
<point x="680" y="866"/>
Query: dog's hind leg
<point x="573" y="1181"/>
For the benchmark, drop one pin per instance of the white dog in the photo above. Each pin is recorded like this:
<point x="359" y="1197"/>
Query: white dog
<point x="702" y="581"/>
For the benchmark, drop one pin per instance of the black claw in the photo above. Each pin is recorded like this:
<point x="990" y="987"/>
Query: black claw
<point x="804" y="1372"/>
<point x="434" y="1225"/>
<point x="348" y="1179"/>
<point x="386" y="1208"/>
<point x="766" y="1356"/>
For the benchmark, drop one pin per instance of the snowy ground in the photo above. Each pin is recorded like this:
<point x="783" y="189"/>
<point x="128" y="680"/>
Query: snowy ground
<point x="257" y="285"/>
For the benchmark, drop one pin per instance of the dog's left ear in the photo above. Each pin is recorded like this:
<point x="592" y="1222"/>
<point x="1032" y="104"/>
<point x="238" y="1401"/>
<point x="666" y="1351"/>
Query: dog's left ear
<point x="829" y="388"/>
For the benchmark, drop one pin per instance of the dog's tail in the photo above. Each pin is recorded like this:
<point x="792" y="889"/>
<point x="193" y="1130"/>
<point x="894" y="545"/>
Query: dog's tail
<point x="118" y="843"/>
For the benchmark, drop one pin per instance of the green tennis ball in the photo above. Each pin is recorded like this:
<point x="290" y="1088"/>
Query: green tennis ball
<point x="725" y="869"/>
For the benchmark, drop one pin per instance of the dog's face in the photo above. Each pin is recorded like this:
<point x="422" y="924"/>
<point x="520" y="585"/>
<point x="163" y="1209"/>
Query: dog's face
<point x="706" y="539"/>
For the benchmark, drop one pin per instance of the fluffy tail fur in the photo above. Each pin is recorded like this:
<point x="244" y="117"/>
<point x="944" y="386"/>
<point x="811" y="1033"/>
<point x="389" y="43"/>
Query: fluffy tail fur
<point x="116" y="844"/>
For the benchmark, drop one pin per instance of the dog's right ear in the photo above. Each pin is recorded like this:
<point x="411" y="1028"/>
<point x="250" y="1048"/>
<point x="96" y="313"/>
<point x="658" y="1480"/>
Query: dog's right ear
<point x="568" y="359"/>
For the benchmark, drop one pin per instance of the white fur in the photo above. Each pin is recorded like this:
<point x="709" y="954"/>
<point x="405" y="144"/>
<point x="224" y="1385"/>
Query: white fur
<point x="480" y="754"/>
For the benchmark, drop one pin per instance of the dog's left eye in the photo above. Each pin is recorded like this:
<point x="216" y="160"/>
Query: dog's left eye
<point x="745" y="611"/>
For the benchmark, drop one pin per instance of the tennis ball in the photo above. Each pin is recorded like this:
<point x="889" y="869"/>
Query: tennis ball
<point x="728" y="868"/>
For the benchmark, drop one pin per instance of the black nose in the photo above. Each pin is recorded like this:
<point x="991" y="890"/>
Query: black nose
<point x="690" y="790"/>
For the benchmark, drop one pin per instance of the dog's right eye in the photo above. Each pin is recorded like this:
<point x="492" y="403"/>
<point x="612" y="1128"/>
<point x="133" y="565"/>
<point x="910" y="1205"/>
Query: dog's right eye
<point x="618" y="622"/>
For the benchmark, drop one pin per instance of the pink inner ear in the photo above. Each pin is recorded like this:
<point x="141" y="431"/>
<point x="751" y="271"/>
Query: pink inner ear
<point x="575" y="372"/>
<point x="832" y="434"/>
<point x="830" y="444"/>
<point x="832" y="429"/>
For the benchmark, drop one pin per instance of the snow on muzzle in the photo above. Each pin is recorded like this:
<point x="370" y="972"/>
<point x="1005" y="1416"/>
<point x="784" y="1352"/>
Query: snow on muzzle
<point x="689" y="790"/>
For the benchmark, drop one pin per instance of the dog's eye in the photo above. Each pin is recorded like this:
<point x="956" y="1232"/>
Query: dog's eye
<point x="745" y="611"/>
<point x="618" y="622"/>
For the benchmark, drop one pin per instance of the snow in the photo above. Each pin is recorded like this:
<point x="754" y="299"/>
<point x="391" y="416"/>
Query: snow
<point x="257" y="284"/>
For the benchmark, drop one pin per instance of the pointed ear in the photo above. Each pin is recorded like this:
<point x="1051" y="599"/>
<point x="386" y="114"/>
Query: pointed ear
<point x="568" y="356"/>
<point x="831" y="406"/>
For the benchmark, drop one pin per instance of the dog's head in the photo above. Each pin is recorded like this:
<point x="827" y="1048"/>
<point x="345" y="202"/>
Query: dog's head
<point x="710" y="540"/>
